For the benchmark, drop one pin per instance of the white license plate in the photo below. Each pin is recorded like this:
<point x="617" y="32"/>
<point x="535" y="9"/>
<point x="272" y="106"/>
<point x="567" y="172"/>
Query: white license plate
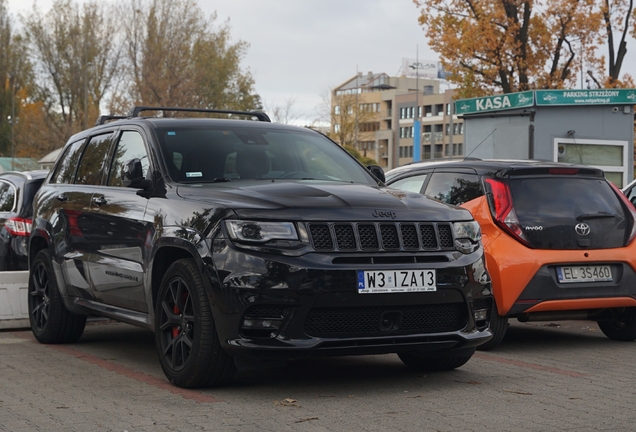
<point x="584" y="273"/>
<point x="396" y="281"/>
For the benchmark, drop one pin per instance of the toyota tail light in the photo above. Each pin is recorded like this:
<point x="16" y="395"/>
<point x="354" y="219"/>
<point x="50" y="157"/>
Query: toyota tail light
<point x="20" y="227"/>
<point x="503" y="210"/>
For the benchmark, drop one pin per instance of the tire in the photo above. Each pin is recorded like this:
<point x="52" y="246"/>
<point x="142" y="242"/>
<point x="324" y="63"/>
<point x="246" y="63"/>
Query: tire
<point x="498" y="327"/>
<point x="621" y="326"/>
<point x="189" y="350"/>
<point x="420" y="362"/>
<point x="51" y="322"/>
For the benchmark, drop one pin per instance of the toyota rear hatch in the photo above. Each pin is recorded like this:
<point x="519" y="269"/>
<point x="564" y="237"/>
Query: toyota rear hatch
<point x="559" y="208"/>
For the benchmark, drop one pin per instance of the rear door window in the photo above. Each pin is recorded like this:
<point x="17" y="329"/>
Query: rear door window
<point x="65" y="169"/>
<point x="93" y="163"/>
<point x="454" y="188"/>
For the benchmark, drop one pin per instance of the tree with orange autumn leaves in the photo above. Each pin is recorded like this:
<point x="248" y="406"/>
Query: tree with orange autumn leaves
<point x="489" y="46"/>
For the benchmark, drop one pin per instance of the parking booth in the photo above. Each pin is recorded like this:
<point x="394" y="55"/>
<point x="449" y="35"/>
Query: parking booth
<point x="593" y="127"/>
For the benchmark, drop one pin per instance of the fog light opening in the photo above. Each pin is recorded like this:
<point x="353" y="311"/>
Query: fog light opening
<point x="481" y="314"/>
<point x="261" y="324"/>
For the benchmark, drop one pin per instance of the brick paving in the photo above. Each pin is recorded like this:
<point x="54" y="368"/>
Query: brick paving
<point x="544" y="377"/>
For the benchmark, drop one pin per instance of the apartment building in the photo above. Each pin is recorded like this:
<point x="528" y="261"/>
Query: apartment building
<point x="375" y="114"/>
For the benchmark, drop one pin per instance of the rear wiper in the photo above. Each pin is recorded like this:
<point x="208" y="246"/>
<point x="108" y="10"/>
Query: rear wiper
<point x="595" y="216"/>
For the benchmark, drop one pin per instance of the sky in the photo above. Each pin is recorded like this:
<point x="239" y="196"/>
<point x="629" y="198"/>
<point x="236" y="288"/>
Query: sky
<point x="300" y="49"/>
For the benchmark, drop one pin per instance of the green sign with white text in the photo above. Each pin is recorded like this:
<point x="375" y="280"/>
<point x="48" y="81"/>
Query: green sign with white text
<point x="586" y="97"/>
<point x="495" y="103"/>
<point x="508" y="101"/>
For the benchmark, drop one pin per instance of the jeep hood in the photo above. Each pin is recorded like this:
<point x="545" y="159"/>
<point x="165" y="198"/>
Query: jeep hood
<point x="320" y="201"/>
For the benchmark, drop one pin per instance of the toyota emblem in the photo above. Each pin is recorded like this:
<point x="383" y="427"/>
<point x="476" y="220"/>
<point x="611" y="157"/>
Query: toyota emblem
<point x="582" y="229"/>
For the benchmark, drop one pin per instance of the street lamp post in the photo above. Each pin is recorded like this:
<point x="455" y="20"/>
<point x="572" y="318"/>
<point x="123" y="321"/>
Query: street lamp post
<point x="12" y="121"/>
<point x="417" y="135"/>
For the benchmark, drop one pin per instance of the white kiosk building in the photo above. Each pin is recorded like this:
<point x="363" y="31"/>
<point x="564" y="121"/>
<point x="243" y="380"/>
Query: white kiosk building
<point x="590" y="127"/>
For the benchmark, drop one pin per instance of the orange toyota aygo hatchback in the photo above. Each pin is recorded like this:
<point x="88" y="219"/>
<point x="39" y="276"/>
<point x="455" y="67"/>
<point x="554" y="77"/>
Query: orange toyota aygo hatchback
<point x="558" y="238"/>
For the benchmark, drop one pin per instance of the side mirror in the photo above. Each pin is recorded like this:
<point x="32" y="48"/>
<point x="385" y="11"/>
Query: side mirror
<point x="378" y="172"/>
<point x="132" y="174"/>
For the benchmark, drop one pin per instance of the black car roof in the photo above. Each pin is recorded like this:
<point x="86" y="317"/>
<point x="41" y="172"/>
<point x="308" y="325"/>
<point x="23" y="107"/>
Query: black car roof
<point x="485" y="166"/>
<point x="188" y="122"/>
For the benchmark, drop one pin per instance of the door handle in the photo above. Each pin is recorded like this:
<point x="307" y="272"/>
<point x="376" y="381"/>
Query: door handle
<point x="62" y="197"/>
<point x="99" y="200"/>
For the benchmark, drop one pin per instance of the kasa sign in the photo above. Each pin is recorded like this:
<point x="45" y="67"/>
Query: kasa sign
<point x="495" y="103"/>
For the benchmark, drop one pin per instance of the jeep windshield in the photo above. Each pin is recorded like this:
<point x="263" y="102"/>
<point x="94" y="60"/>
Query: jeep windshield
<point x="221" y="154"/>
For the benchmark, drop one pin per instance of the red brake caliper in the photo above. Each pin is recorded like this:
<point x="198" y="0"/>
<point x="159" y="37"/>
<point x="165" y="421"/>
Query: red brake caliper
<point x="175" y="329"/>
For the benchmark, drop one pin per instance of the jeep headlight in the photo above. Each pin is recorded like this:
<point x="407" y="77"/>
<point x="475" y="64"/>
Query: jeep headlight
<point x="260" y="232"/>
<point x="467" y="236"/>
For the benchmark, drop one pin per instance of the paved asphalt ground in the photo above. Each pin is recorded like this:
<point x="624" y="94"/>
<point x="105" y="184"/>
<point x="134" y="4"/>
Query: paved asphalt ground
<point x="544" y="377"/>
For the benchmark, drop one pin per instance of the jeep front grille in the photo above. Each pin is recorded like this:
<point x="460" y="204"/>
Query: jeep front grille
<point x="388" y="236"/>
<point x="368" y="321"/>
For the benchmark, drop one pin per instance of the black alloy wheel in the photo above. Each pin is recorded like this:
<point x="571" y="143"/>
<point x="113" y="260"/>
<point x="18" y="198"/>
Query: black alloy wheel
<point x="621" y="324"/>
<point x="187" y="343"/>
<point x="51" y="322"/>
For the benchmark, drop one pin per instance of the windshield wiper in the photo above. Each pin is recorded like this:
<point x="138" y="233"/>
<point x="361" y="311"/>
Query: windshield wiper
<point x="220" y="180"/>
<point x="595" y="216"/>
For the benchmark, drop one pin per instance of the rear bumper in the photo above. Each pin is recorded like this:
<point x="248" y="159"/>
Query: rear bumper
<point x="545" y="294"/>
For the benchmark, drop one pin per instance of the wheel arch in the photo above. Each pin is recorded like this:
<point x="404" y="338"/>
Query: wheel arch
<point x="167" y="253"/>
<point x="37" y="242"/>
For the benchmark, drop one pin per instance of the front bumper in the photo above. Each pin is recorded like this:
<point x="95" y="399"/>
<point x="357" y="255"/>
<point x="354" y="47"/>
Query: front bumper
<point x="278" y="306"/>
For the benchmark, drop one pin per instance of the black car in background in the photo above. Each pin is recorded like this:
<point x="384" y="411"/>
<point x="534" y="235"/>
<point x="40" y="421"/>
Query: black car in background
<point x="238" y="241"/>
<point x="17" y="190"/>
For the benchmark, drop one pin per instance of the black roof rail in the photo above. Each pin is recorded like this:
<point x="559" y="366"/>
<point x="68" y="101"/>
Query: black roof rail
<point x="261" y="116"/>
<point x="104" y="118"/>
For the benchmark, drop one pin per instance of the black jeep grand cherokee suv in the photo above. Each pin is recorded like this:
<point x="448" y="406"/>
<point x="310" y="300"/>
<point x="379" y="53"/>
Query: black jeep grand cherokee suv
<point x="237" y="240"/>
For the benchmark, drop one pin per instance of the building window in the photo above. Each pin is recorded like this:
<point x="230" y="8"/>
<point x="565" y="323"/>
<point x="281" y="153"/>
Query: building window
<point x="428" y="111"/>
<point x="406" y="132"/>
<point x="448" y="109"/>
<point x="369" y="127"/>
<point x="370" y="107"/>
<point x="336" y="110"/>
<point x="439" y="109"/>
<point x="426" y="154"/>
